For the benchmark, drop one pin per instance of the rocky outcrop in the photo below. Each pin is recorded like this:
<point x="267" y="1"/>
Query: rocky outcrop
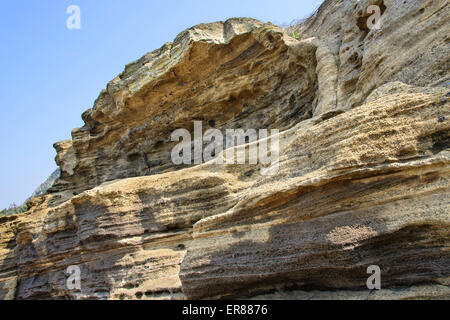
<point x="236" y="74"/>
<point x="364" y="165"/>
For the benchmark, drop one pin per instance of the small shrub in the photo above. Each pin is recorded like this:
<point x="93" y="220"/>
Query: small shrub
<point x="296" y="35"/>
<point x="13" y="209"/>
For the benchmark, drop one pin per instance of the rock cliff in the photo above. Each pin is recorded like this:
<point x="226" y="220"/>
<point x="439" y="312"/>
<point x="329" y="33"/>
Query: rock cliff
<point x="364" y="166"/>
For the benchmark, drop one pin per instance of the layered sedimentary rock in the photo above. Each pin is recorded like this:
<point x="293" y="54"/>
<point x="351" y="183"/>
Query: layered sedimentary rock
<point x="364" y="162"/>
<point x="236" y="74"/>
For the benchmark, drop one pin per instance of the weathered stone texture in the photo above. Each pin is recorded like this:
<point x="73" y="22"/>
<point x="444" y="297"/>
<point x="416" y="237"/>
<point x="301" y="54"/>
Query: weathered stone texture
<point x="363" y="175"/>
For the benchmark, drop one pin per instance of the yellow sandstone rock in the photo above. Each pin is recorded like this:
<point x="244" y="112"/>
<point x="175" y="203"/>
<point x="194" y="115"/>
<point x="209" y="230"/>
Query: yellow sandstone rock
<point x="363" y="174"/>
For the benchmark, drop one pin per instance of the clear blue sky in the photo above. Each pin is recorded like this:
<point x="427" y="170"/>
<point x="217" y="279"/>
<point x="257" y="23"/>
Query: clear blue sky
<point x="50" y="75"/>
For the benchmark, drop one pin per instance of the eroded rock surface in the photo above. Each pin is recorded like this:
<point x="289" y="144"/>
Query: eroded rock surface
<point x="363" y="172"/>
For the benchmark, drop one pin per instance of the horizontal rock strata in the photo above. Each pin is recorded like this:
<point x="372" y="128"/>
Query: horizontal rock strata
<point x="364" y="167"/>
